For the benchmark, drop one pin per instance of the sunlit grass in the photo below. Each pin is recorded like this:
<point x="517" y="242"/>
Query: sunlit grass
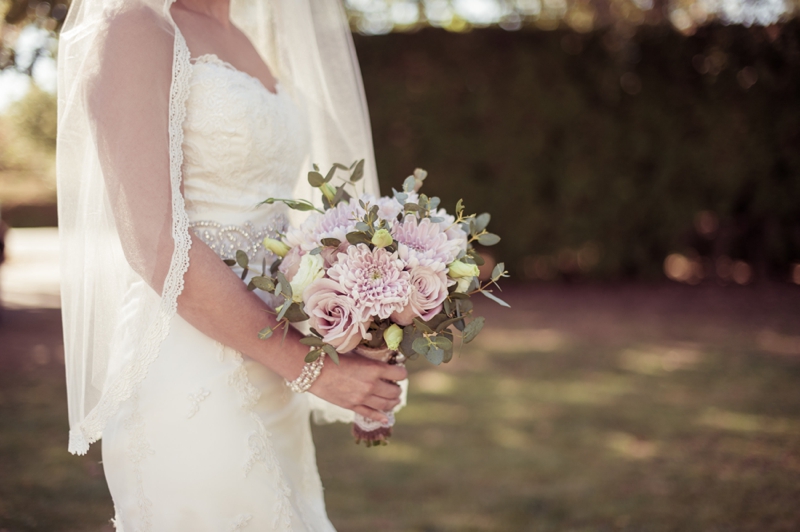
<point x="547" y="432"/>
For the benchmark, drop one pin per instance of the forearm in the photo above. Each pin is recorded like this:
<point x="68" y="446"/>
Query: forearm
<point x="217" y="302"/>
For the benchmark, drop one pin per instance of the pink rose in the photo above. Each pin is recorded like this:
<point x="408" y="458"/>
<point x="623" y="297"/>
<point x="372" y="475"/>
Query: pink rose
<point x="330" y="254"/>
<point x="291" y="263"/>
<point x="428" y="292"/>
<point x="335" y="315"/>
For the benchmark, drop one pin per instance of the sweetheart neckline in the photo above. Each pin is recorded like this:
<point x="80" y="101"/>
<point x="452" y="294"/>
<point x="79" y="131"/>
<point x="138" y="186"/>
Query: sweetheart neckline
<point x="214" y="59"/>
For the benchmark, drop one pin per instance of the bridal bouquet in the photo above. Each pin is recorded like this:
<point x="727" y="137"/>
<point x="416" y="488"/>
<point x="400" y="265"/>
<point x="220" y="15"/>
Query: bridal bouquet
<point x="388" y="277"/>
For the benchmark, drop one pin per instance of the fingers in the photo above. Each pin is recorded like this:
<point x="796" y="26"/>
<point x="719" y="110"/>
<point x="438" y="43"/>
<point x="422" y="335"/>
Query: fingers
<point x="394" y="373"/>
<point x="371" y="413"/>
<point x="387" y="390"/>
<point x="379" y="403"/>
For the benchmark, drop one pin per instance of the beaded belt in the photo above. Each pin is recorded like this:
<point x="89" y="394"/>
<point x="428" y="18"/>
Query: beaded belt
<point x="225" y="240"/>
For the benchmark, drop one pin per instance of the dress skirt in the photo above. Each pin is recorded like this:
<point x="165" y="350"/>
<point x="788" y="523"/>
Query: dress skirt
<point x="212" y="441"/>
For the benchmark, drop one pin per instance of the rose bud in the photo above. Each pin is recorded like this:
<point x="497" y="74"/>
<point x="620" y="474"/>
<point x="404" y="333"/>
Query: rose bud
<point x="328" y="191"/>
<point x="393" y="335"/>
<point x="463" y="284"/>
<point x="276" y="246"/>
<point x="458" y="269"/>
<point x="382" y="238"/>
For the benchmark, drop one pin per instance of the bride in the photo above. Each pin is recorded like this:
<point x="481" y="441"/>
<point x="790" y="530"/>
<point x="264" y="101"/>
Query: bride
<point x="176" y="117"/>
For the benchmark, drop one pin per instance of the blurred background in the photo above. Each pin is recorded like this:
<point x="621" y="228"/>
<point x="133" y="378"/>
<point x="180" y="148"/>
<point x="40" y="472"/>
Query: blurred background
<point x="641" y="159"/>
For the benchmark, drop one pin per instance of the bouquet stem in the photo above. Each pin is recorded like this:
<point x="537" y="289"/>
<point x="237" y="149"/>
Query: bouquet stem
<point x="371" y="432"/>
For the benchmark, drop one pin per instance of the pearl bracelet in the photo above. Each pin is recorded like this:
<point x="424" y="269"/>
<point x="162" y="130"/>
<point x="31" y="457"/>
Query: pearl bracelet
<point x="307" y="377"/>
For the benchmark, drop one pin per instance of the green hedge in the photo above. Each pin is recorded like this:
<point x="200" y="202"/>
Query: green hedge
<point x="595" y="153"/>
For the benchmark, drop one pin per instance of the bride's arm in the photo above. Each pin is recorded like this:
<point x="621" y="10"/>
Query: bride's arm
<point x="217" y="302"/>
<point x="129" y="102"/>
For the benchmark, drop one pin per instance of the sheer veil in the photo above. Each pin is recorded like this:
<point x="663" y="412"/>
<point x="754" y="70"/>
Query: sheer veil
<point x="123" y="80"/>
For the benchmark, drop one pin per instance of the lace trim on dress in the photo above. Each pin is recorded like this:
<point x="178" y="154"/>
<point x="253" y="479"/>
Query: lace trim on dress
<point x="138" y="450"/>
<point x="240" y="522"/>
<point x="225" y="240"/>
<point x="213" y="59"/>
<point x="91" y="428"/>
<point x="261" y="450"/>
<point x="194" y="401"/>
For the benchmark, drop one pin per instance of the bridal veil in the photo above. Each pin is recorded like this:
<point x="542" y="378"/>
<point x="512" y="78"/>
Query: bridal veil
<point x="123" y="80"/>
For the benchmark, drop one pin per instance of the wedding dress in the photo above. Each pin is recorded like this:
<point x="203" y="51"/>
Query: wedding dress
<point x="212" y="440"/>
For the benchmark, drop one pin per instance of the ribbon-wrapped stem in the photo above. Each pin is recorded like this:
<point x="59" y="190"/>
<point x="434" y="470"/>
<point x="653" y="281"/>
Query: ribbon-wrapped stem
<point x="372" y="432"/>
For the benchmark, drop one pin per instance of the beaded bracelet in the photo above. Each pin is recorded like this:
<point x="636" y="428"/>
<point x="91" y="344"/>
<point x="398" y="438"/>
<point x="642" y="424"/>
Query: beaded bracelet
<point x="307" y="377"/>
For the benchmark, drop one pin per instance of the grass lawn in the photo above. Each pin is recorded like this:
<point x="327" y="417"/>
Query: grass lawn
<point x="584" y="409"/>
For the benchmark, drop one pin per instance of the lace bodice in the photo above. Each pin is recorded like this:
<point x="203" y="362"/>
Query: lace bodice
<point x="242" y="144"/>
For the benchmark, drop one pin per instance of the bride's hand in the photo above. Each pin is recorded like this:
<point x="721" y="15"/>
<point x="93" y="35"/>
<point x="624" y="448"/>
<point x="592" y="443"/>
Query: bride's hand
<point x="360" y="384"/>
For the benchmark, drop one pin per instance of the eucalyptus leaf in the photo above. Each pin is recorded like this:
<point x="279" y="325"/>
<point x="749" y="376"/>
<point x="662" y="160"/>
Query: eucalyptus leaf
<point x="473" y="328"/>
<point x="295" y="313"/>
<point x="313" y="355"/>
<point x="251" y="286"/>
<point x="498" y="270"/>
<point x="241" y="258"/>
<point x="314" y="332"/>
<point x="284" y="309"/>
<point x="409" y="183"/>
<point x="460" y="325"/>
<point x="443" y="343"/>
<point x="410" y="333"/>
<point x="448" y="353"/>
<point x="330" y="174"/>
<point x="464" y="306"/>
<point x="361" y="226"/>
<point x="436" y="219"/>
<point x="331" y="242"/>
<point x="339" y="196"/>
<point x="481" y="221"/>
<point x="244" y="274"/>
<point x="421" y="325"/>
<point x="435" y="355"/>
<point x="316" y="251"/>
<point x="286" y="288"/>
<point x="421" y="345"/>
<point x="340" y="166"/>
<point x="331" y="353"/>
<point x="315" y="167"/>
<point x="229" y="262"/>
<point x="411" y="207"/>
<point x="265" y="333"/>
<point x="488" y="239"/>
<point x="478" y="258"/>
<point x="312" y="341"/>
<point x="447" y="323"/>
<point x="358" y="237"/>
<point x="263" y="283"/>
<point x="358" y="172"/>
<point x="401" y="197"/>
<point x="495" y="299"/>
<point x="434" y="203"/>
<point x="315" y="179"/>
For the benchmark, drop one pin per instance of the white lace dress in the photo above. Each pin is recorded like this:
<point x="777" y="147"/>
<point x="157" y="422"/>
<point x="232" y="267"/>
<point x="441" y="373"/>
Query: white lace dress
<point x="212" y="440"/>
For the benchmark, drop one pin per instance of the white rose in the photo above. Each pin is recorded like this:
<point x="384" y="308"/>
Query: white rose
<point x="310" y="270"/>
<point x="463" y="284"/>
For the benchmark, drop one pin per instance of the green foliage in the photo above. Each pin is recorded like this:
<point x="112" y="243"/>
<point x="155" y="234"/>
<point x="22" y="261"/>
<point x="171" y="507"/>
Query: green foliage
<point x="35" y="117"/>
<point x="594" y="180"/>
